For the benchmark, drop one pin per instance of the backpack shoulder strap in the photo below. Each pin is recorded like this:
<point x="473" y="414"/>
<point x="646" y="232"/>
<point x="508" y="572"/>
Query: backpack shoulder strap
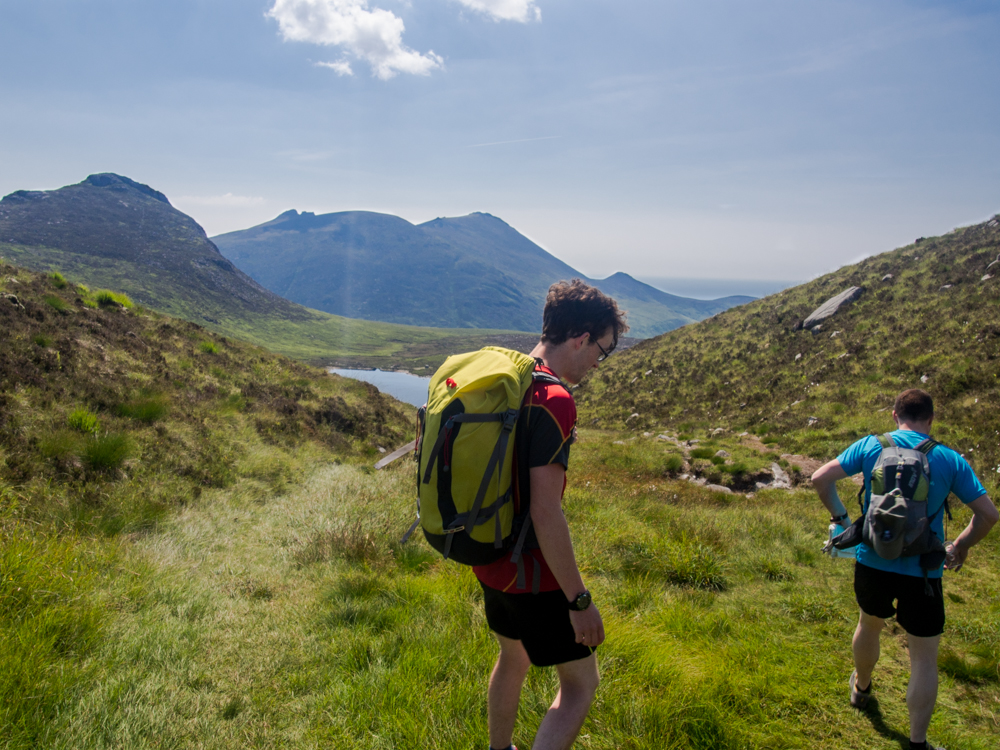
<point x="887" y="441"/>
<point x="926" y="446"/>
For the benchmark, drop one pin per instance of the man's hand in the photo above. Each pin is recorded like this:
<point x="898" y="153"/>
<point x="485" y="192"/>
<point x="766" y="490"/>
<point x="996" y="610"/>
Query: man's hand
<point x="588" y="626"/>
<point x="955" y="557"/>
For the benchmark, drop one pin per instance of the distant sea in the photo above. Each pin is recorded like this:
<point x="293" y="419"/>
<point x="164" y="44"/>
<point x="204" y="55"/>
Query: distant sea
<point x="715" y="288"/>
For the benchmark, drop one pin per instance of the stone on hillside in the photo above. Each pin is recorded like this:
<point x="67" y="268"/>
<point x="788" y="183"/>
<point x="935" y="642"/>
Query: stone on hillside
<point x="744" y="434"/>
<point x="795" y="403"/>
<point x="815" y="329"/>
<point x="632" y="382"/>
<point x="633" y="415"/>
<point x="834" y="334"/>
<point x="722" y="454"/>
<point x="618" y="442"/>
<point x="924" y="378"/>
<point x="987" y="277"/>
<point x="946" y="286"/>
<point x="665" y="438"/>
<point x="719" y="488"/>
<point x="798" y="357"/>
<point x="887" y="277"/>
<point x="831" y="306"/>
<point x="693" y="441"/>
<point x="781" y="479"/>
<point x="993" y="263"/>
<point x="647" y="434"/>
<point x="718" y="430"/>
<point x="811" y="421"/>
<point x="648" y="372"/>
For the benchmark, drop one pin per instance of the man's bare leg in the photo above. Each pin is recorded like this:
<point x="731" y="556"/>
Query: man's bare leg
<point x="505" y="690"/>
<point x="578" y="682"/>
<point x="866" y="647"/>
<point x="921" y="693"/>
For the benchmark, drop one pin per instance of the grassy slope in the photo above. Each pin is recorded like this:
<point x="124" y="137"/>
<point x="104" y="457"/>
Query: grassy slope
<point x="746" y="369"/>
<point x="293" y="619"/>
<point x="175" y="413"/>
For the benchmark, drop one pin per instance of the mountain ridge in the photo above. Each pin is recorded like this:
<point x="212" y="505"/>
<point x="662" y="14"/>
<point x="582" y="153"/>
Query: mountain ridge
<point x="468" y="271"/>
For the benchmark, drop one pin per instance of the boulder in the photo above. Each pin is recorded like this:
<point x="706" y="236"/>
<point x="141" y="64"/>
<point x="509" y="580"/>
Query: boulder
<point x="722" y="454"/>
<point x="887" y="277"/>
<point x="831" y="306"/>
<point x="719" y="488"/>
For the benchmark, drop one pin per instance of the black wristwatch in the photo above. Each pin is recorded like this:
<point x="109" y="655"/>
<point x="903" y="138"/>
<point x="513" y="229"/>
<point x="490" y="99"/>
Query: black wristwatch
<point x="840" y="519"/>
<point x="581" y="602"/>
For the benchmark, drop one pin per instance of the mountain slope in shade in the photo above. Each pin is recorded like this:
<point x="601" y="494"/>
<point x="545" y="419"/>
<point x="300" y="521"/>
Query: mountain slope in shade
<point x="113" y="223"/>
<point x="112" y="232"/>
<point x="472" y="271"/>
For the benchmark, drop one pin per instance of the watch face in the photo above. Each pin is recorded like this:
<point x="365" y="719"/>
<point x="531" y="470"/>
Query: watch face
<point x="582" y="601"/>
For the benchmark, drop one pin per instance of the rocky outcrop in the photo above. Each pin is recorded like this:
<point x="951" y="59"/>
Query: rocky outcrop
<point x="832" y="305"/>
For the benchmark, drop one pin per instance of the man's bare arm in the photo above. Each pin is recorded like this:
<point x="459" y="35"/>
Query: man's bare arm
<point x="984" y="516"/>
<point x="825" y="480"/>
<point x="552" y="533"/>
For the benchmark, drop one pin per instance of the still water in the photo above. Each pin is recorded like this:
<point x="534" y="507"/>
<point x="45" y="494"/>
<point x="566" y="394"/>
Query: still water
<point x="408" y="388"/>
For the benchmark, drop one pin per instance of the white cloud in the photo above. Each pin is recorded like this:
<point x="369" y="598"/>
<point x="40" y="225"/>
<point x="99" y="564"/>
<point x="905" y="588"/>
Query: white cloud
<point x="375" y="36"/>
<point x="228" y="200"/>
<point x="506" y="10"/>
<point x="341" y="67"/>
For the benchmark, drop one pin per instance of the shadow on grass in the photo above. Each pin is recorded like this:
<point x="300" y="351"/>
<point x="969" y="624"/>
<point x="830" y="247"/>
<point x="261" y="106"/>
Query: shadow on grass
<point x="873" y="712"/>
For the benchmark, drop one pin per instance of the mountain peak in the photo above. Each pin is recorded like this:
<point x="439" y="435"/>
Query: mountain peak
<point x="119" y="182"/>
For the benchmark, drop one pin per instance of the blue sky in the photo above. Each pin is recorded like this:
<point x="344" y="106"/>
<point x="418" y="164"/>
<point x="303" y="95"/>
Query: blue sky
<point x="735" y="140"/>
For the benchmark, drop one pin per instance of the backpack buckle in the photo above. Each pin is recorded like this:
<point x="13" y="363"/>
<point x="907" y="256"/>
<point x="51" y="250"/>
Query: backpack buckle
<point x="510" y="420"/>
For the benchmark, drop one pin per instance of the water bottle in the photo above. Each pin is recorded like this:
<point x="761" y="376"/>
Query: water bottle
<point x="836" y="530"/>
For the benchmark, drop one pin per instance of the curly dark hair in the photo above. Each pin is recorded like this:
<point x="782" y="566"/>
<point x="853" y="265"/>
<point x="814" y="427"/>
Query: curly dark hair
<point x="914" y="405"/>
<point x="573" y="308"/>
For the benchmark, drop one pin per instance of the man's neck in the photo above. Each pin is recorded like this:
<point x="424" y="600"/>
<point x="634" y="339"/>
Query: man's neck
<point x="924" y="428"/>
<point x="550" y="356"/>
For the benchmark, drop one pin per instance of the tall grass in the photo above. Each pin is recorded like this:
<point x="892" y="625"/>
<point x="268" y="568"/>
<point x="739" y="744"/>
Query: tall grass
<point x="298" y="619"/>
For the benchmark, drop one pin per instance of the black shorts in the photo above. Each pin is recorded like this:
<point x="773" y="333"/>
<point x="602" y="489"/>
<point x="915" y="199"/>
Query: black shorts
<point x="540" y="621"/>
<point x="916" y="612"/>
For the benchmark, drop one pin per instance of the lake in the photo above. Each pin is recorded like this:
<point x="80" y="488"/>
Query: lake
<point x="411" y="389"/>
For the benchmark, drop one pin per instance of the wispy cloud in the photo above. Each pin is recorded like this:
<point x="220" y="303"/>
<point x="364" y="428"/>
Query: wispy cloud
<point x="373" y="35"/>
<point x="341" y="67"/>
<point x="519" y="140"/>
<point x="506" y="10"/>
<point x="227" y="200"/>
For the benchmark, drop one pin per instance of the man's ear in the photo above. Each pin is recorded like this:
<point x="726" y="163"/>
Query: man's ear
<point x="895" y="417"/>
<point x="579" y="341"/>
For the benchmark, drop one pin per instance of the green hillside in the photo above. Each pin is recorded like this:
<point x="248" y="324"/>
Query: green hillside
<point x="109" y="231"/>
<point x="473" y="271"/>
<point x="929" y="316"/>
<point x="196" y="552"/>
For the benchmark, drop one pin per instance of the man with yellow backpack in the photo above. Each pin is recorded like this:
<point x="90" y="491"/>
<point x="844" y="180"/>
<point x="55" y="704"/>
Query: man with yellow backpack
<point x="493" y="453"/>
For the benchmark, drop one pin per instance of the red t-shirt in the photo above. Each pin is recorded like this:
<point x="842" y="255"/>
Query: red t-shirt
<point x="545" y="431"/>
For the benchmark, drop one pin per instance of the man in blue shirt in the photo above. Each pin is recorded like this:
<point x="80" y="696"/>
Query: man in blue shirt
<point x="878" y="582"/>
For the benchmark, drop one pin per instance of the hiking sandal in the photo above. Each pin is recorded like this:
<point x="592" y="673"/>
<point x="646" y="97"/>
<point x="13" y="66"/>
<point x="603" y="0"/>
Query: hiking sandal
<point x="859" y="699"/>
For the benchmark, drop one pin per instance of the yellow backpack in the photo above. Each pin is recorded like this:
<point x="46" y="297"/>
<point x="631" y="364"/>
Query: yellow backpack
<point x="465" y="452"/>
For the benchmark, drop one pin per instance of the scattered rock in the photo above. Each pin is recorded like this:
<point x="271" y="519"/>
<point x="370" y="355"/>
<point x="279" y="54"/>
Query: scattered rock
<point x="718" y="430"/>
<point x="794" y="403"/>
<point x="924" y="378"/>
<point x="946" y="286"/>
<point x="694" y="441"/>
<point x="744" y="434"/>
<point x="632" y="382"/>
<point x="380" y="449"/>
<point x="618" y="442"/>
<point x="647" y="373"/>
<point x="831" y="306"/>
<point x="12" y="298"/>
<point x="647" y="434"/>
<point x="798" y="357"/>
<point x="698" y="480"/>
<point x="993" y="263"/>
<point x="719" y="488"/>
<point x="811" y="421"/>
<point x="666" y="438"/>
<point x="634" y="415"/>
<point x="781" y="479"/>
<point x="987" y="277"/>
<point x="834" y="334"/>
<point x="815" y="329"/>
<point x="887" y="277"/>
<point x="722" y="454"/>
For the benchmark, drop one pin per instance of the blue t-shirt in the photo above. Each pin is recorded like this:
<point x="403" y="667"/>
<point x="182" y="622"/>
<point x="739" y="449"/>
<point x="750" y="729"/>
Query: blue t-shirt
<point x="949" y="473"/>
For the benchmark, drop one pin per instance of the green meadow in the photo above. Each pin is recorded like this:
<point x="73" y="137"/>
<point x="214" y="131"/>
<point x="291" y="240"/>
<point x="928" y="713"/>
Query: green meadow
<point x="195" y="550"/>
<point x="293" y="618"/>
